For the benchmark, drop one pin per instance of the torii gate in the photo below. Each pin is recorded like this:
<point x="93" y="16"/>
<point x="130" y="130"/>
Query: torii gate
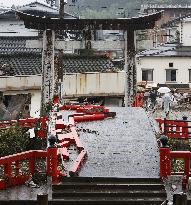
<point x="50" y="25"/>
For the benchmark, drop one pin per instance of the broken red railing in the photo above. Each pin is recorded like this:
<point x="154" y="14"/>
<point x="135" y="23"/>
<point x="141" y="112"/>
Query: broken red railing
<point x="77" y="163"/>
<point x="175" y="128"/>
<point x="67" y="136"/>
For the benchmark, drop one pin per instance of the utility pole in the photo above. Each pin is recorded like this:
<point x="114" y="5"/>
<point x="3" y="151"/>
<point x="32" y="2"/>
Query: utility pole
<point x="60" y="56"/>
<point x="61" y="10"/>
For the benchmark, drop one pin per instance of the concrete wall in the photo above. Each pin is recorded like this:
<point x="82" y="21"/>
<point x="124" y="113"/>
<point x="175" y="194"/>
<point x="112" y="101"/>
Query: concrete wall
<point x="94" y="84"/>
<point x="35" y="103"/>
<point x="185" y="32"/>
<point x="159" y="66"/>
<point x="71" y="45"/>
<point x="87" y="84"/>
<point x="11" y="83"/>
<point x="79" y="84"/>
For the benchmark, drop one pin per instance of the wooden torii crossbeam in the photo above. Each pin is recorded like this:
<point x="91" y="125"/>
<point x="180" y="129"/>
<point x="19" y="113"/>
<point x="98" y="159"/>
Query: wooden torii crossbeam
<point x="50" y="25"/>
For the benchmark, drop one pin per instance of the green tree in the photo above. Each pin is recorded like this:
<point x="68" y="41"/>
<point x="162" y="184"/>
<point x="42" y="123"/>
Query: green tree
<point x="16" y="139"/>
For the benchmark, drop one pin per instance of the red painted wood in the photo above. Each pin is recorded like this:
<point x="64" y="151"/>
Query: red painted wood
<point x="78" y="162"/>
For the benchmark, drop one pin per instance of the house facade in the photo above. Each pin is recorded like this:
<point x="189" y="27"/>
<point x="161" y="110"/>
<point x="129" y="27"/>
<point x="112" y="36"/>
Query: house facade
<point x="166" y="28"/>
<point x="164" y="69"/>
<point x="168" y="63"/>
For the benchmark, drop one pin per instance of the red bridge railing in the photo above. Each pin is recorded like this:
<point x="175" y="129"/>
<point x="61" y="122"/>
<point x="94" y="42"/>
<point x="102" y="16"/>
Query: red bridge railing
<point x="175" y="128"/>
<point x="166" y="156"/>
<point x="12" y="173"/>
<point x="179" y="129"/>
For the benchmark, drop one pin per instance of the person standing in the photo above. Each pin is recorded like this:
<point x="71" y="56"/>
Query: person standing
<point x="153" y="97"/>
<point x="166" y="103"/>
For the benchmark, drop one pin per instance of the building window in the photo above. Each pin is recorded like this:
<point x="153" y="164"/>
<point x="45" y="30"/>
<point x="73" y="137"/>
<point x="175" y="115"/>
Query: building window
<point x="170" y="65"/>
<point x="147" y="75"/>
<point x="170" y="75"/>
<point x="189" y="75"/>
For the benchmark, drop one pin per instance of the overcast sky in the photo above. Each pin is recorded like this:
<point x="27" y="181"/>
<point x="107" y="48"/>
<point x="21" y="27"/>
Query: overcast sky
<point x="8" y="3"/>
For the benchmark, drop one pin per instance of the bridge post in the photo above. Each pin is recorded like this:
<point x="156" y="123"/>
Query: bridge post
<point x="48" y="73"/>
<point x="42" y="199"/>
<point x="185" y="130"/>
<point x="165" y="167"/>
<point x="180" y="199"/>
<point x="130" y="67"/>
<point x="52" y="160"/>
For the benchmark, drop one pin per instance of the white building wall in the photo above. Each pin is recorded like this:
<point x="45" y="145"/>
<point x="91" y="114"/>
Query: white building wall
<point x="76" y="84"/>
<point x="11" y="83"/>
<point x="186" y="33"/>
<point x="95" y="84"/>
<point x="159" y="66"/>
<point x="35" y="103"/>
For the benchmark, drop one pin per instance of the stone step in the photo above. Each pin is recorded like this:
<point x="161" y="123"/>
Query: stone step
<point x="101" y="190"/>
<point x="107" y="193"/>
<point x="94" y="186"/>
<point x="109" y="201"/>
<point x="110" y="180"/>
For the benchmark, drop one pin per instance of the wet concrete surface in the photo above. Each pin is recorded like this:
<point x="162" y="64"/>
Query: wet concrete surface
<point x="24" y="192"/>
<point x="121" y="147"/>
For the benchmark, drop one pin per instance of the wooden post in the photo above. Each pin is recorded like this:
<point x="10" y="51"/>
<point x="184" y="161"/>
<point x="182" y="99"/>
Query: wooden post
<point x="180" y="199"/>
<point x="130" y="67"/>
<point x="48" y="80"/>
<point x="32" y="165"/>
<point x="17" y="167"/>
<point x="61" y="10"/>
<point x="52" y="163"/>
<point x="42" y="199"/>
<point x="165" y="164"/>
<point x="187" y="166"/>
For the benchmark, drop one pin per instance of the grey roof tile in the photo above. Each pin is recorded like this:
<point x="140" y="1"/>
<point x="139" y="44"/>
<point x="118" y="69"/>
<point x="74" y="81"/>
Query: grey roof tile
<point x="19" y="60"/>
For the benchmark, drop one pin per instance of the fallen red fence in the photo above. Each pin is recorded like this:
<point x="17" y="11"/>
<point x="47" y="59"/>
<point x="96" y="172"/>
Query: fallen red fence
<point x="52" y="154"/>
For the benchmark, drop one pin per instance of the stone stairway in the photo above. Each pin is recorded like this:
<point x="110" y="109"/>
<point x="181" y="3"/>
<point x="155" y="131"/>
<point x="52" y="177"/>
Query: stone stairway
<point x="108" y="190"/>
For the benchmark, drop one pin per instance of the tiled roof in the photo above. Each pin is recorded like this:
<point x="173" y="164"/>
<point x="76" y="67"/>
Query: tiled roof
<point x="16" y="45"/>
<point x="82" y="64"/>
<point x="16" y="59"/>
<point x="30" y="64"/>
<point x="21" y="64"/>
<point x="175" y="21"/>
<point x="35" y="8"/>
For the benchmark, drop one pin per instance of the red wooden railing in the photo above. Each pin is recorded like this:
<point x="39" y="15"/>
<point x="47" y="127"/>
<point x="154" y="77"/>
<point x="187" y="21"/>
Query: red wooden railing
<point x="17" y="176"/>
<point x="175" y="128"/>
<point x="38" y="123"/>
<point x="166" y="155"/>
